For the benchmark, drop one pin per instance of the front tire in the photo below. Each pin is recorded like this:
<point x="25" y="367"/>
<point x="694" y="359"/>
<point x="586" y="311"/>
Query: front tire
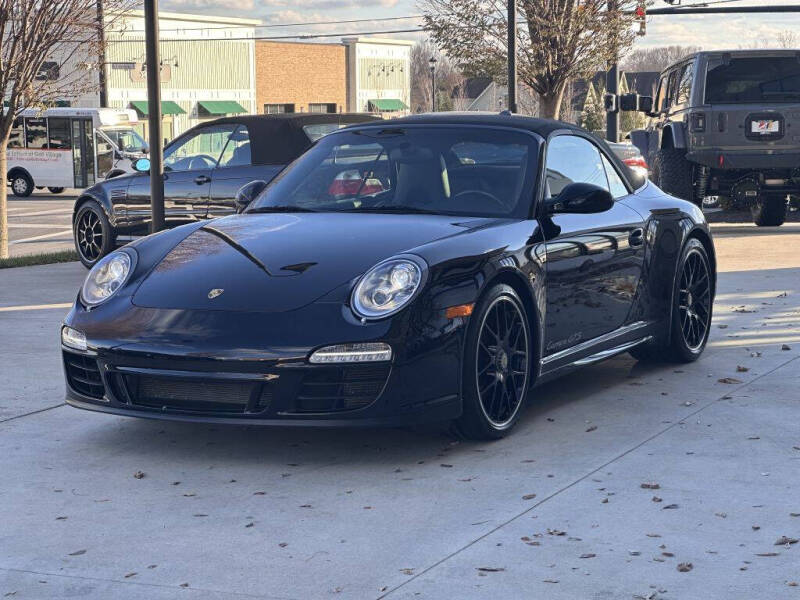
<point x="55" y="190"/>
<point x="93" y="235"/>
<point x="691" y="312"/>
<point x="497" y="365"/>
<point x="674" y="174"/>
<point x="769" y="212"/>
<point x="21" y="185"/>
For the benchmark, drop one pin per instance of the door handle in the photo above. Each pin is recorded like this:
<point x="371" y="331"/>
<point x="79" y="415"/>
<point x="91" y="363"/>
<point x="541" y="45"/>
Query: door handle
<point x="201" y="179"/>
<point x="636" y="238"/>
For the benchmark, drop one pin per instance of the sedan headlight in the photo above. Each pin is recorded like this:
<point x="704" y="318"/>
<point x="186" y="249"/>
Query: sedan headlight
<point x="387" y="287"/>
<point x="106" y="277"/>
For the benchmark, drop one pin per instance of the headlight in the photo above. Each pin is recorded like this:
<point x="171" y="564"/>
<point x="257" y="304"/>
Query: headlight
<point x="106" y="277"/>
<point x="386" y="288"/>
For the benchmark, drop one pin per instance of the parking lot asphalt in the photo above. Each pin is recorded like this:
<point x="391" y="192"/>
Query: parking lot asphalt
<point x="40" y="223"/>
<point x="613" y="478"/>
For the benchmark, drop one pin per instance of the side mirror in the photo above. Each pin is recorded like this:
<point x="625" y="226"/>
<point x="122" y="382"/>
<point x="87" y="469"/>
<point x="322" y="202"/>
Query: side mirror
<point x="646" y="105"/>
<point x="146" y="149"/>
<point x="580" y="198"/>
<point x="248" y="192"/>
<point x="142" y="165"/>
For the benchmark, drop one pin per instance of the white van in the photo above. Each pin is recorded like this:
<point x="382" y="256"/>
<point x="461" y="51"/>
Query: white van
<point x="71" y="147"/>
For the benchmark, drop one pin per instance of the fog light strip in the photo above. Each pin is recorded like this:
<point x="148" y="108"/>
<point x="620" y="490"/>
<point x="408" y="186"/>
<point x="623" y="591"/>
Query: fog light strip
<point x="344" y="353"/>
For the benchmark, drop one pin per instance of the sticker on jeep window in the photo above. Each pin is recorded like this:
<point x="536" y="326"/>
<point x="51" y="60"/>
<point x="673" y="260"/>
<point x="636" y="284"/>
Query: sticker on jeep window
<point x="765" y="127"/>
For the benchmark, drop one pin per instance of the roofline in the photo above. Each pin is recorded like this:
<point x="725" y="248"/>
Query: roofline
<point x="375" y="40"/>
<point x="195" y="18"/>
<point x="302" y="43"/>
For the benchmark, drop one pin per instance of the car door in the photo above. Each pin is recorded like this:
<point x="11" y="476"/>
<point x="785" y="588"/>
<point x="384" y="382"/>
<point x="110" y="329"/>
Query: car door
<point x="593" y="261"/>
<point x="235" y="169"/>
<point x="188" y="165"/>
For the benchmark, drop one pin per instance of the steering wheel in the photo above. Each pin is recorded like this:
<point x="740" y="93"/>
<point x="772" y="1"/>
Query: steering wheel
<point x="480" y="194"/>
<point x="208" y="162"/>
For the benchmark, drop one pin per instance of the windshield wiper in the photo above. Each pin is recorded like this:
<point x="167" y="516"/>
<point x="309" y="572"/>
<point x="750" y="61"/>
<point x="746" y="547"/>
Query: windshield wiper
<point x="394" y="208"/>
<point x="279" y="209"/>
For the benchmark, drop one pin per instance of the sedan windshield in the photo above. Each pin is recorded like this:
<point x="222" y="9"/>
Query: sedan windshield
<point x="438" y="170"/>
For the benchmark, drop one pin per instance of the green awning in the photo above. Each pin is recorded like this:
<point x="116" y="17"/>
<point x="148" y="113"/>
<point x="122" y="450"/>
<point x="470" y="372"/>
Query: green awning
<point x="168" y="107"/>
<point x="388" y="104"/>
<point x="220" y="107"/>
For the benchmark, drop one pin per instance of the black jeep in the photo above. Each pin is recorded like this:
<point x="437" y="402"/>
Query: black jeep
<point x="727" y="124"/>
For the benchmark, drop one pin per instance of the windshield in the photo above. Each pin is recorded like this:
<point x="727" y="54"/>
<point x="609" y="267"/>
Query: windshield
<point x="754" y="80"/>
<point x="443" y="170"/>
<point x="126" y="140"/>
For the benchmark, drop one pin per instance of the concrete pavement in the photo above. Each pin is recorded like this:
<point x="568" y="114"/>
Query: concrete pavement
<point x="229" y="512"/>
<point x="40" y="223"/>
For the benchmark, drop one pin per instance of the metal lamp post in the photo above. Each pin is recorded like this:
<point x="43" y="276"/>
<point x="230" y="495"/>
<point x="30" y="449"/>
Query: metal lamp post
<point x="432" y="63"/>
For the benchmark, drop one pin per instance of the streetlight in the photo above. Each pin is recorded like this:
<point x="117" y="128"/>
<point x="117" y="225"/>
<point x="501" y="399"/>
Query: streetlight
<point x="432" y="63"/>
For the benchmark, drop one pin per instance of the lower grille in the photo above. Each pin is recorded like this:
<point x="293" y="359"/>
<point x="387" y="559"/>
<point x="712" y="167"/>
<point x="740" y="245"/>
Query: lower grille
<point x="83" y="375"/>
<point x="196" y="395"/>
<point x="331" y="389"/>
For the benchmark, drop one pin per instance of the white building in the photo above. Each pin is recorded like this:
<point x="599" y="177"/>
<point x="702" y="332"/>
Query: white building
<point x="378" y="75"/>
<point x="207" y="68"/>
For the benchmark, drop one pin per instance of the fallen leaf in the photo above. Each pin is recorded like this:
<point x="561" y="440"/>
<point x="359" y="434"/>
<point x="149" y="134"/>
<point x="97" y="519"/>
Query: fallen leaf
<point x="685" y="567"/>
<point x="446" y="466"/>
<point x="61" y="518"/>
<point x="670" y="506"/>
<point x="794" y="514"/>
<point x="190" y="495"/>
<point x="587" y="556"/>
<point x="653" y="535"/>
<point x="407" y="571"/>
<point x="785" y="541"/>
<point x="592" y="428"/>
<point x="656" y="499"/>
<point x="755" y="527"/>
<point x="259" y="493"/>
<point x="786" y="347"/>
<point x="791" y="583"/>
<point x="200" y="515"/>
<point x="741" y="369"/>
<point x="729" y="380"/>
<point x="128" y="575"/>
<point x="650" y="486"/>
<point x="491" y="569"/>
<point x="138" y="475"/>
<point x="550" y="580"/>
<point x="721" y="515"/>
<point x="184" y="585"/>
<point x="283" y="544"/>
<point x="722" y="326"/>
<point x="754" y="437"/>
<point x="768" y="554"/>
<point x="556" y="532"/>
<point x="249" y="525"/>
<point x="77" y="552"/>
<point x="305" y="506"/>
<point x="604" y="501"/>
<point x="529" y="496"/>
<point x="667" y="554"/>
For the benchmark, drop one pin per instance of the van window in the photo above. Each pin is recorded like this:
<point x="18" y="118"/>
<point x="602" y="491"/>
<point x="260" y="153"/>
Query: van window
<point x="59" y="136"/>
<point x="36" y="133"/>
<point x="17" y="139"/>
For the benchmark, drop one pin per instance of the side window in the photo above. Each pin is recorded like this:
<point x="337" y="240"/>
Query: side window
<point x="616" y="186"/>
<point x="17" y="139"/>
<point x="572" y="159"/>
<point x="237" y="152"/>
<point x="671" y="85"/>
<point x="36" y="133"/>
<point x="59" y="134"/>
<point x="199" y="150"/>
<point x="684" y="85"/>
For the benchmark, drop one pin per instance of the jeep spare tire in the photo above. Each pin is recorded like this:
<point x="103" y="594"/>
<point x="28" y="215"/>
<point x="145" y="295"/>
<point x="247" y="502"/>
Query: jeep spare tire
<point x="674" y="174"/>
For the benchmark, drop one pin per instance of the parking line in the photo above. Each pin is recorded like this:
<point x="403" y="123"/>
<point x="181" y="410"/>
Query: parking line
<point x="42" y="237"/>
<point x="37" y="225"/>
<point x="35" y="307"/>
<point x="38" y="213"/>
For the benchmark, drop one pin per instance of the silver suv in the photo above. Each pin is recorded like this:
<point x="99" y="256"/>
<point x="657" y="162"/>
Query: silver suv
<point x="727" y="123"/>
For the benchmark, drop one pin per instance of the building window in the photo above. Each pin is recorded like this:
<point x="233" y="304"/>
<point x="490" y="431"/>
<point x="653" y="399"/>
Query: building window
<point x="329" y="107"/>
<point x="277" y="109"/>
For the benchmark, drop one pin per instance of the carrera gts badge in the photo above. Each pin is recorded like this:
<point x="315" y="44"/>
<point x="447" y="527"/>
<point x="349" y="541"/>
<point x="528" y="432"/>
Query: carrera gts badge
<point x="215" y="292"/>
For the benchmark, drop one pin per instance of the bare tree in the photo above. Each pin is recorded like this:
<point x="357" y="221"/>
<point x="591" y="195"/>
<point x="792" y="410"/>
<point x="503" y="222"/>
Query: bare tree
<point x="46" y="47"/>
<point x="787" y="39"/>
<point x="656" y="58"/>
<point x="560" y="40"/>
<point x="449" y="79"/>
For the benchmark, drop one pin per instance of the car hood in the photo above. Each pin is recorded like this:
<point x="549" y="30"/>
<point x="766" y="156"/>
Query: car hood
<point x="283" y="261"/>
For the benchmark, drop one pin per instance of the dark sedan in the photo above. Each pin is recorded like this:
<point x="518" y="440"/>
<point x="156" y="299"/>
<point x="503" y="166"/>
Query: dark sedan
<point x="432" y="268"/>
<point x="204" y="168"/>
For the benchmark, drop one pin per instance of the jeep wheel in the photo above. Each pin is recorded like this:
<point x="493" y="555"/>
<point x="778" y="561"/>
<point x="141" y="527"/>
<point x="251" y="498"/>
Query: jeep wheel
<point x="674" y="174"/>
<point x="769" y="212"/>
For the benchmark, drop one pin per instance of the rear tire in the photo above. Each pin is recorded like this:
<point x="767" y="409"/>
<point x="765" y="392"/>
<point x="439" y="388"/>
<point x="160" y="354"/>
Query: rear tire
<point x="769" y="212"/>
<point x="55" y="190"/>
<point x="21" y="184"/>
<point x="92" y="233"/>
<point x="692" y="308"/>
<point x="497" y="366"/>
<point x="674" y="174"/>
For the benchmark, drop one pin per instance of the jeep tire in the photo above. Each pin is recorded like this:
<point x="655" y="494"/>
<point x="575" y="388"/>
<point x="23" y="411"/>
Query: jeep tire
<point x="674" y="174"/>
<point x="769" y="212"/>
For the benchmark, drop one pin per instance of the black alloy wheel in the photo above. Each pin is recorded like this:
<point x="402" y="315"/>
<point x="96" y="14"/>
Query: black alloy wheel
<point x="691" y="312"/>
<point x="694" y="300"/>
<point x="92" y="233"/>
<point x="497" y="365"/>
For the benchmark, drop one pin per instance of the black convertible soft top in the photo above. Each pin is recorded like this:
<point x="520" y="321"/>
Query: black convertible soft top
<point x="279" y="139"/>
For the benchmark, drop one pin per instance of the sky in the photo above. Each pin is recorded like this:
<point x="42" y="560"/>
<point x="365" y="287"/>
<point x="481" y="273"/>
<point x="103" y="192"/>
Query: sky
<point x="708" y="31"/>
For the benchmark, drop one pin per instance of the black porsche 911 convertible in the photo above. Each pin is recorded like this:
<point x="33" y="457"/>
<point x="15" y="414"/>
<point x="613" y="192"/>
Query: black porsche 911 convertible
<point x="434" y="267"/>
